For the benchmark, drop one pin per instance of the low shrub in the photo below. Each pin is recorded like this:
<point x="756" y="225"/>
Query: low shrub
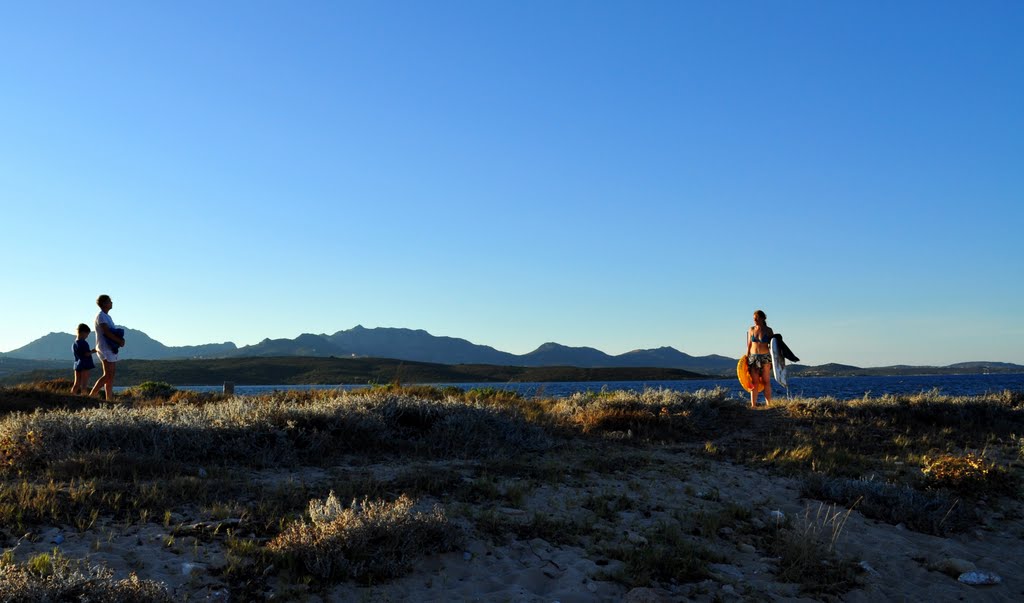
<point x="927" y="512"/>
<point x="647" y="415"/>
<point x="371" y="540"/>
<point x="150" y="390"/>
<point x="668" y="556"/>
<point x="55" y="578"/>
<point x="968" y="475"/>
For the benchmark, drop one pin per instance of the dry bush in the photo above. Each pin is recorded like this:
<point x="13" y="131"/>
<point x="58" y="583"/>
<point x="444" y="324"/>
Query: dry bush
<point x="968" y="475"/>
<point x="648" y="414"/>
<point x="371" y="540"/>
<point x="998" y="413"/>
<point x="56" y="578"/>
<point x="273" y="430"/>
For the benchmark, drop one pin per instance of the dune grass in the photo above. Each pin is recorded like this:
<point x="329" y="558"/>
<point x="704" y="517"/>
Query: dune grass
<point x="154" y="453"/>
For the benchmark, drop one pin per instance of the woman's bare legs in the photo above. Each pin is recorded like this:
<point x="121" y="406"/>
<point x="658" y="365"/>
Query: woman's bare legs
<point x="766" y="378"/>
<point x="106" y="381"/>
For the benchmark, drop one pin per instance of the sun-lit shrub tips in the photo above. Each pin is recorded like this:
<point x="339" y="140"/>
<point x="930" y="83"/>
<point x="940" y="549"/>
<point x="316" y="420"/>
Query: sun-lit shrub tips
<point x="648" y="414"/>
<point x="968" y="475"/>
<point x="55" y="578"/>
<point x="271" y="431"/>
<point x="371" y="540"/>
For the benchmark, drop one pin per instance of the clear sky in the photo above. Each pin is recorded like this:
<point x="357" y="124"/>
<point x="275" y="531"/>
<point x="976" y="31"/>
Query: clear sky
<point x="619" y="175"/>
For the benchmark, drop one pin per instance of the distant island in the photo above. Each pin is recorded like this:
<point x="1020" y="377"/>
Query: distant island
<point x="374" y="355"/>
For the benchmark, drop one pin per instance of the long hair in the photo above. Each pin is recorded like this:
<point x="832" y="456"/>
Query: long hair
<point x="760" y="314"/>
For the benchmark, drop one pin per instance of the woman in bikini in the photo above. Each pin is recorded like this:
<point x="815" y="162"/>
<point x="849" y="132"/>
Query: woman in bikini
<point x="759" y="339"/>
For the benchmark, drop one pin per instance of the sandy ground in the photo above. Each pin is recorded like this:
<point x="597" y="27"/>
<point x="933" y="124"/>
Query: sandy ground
<point x="897" y="564"/>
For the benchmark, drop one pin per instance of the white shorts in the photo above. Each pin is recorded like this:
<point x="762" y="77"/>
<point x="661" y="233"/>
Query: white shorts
<point x="106" y="355"/>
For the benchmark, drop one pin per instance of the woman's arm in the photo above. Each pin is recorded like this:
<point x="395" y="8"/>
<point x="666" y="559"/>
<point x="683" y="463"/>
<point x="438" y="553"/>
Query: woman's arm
<point x="106" y="332"/>
<point x="749" y="332"/>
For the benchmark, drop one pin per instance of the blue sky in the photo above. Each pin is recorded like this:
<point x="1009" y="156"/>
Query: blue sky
<point x="618" y="175"/>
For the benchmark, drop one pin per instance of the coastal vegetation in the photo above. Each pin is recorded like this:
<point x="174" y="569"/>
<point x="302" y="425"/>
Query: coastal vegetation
<point x="297" y="493"/>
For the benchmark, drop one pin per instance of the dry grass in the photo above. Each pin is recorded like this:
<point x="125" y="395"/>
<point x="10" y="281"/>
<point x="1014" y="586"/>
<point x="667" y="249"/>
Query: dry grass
<point x="808" y="553"/>
<point x="156" y="452"/>
<point x="277" y="430"/>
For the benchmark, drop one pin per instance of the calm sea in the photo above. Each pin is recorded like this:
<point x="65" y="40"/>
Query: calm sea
<point x="843" y="388"/>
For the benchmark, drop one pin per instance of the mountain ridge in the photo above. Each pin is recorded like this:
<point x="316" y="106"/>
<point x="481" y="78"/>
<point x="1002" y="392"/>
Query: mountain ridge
<point x="420" y="346"/>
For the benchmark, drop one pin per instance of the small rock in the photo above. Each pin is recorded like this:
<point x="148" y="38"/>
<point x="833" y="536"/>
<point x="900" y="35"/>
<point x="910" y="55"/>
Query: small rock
<point x="592" y="587"/>
<point x="467" y="556"/>
<point x="643" y="595"/>
<point x="202" y="472"/>
<point x="747" y="548"/>
<point x="866" y="567"/>
<point x="635" y="538"/>
<point x="777" y="516"/>
<point x="58" y="539"/>
<point x="477" y="547"/>
<point x="187" y="569"/>
<point x="728" y="571"/>
<point x="725" y="531"/>
<point x="954" y="567"/>
<point x="729" y="589"/>
<point x="979" y="578"/>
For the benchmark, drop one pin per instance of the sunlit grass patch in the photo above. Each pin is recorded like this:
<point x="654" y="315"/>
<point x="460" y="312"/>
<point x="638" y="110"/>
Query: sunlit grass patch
<point x="53" y="577"/>
<point x="969" y="474"/>
<point x="270" y="431"/>
<point x="371" y="540"/>
<point x="651" y="414"/>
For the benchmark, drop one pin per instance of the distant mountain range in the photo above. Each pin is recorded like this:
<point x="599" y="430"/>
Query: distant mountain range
<point x="400" y="344"/>
<point x="420" y="346"/>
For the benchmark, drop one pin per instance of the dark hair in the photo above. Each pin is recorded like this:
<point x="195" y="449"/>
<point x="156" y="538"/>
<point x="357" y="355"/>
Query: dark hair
<point x="82" y="327"/>
<point x="761" y="313"/>
<point x="101" y="299"/>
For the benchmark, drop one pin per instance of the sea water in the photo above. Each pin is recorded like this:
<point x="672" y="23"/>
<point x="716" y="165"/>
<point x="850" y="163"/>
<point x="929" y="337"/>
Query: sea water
<point x="842" y="388"/>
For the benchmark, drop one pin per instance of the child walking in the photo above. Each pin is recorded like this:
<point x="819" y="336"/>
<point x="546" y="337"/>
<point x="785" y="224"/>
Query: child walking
<point x="83" y="360"/>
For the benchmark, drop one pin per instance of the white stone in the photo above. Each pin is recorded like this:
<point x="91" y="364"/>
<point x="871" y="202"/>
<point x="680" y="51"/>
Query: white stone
<point x="980" y="578"/>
